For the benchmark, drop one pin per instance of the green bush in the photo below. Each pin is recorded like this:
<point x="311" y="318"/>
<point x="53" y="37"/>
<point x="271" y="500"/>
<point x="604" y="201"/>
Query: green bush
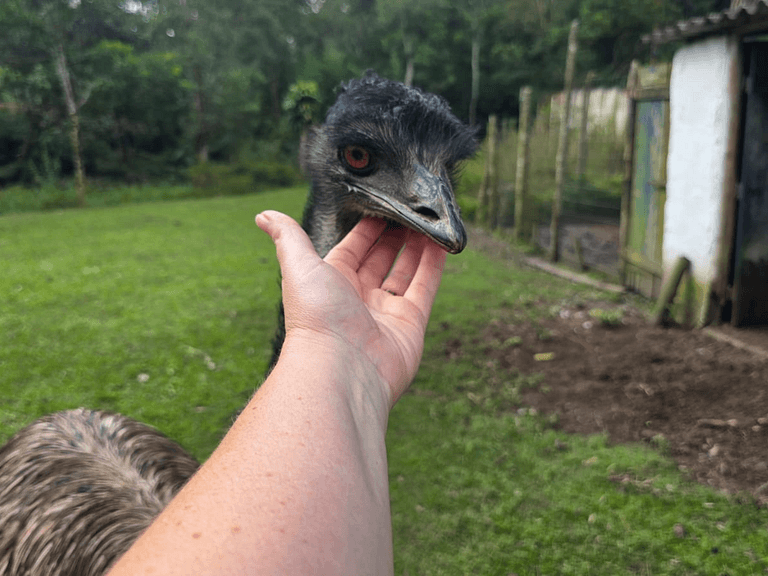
<point x="47" y="197"/>
<point x="56" y="199"/>
<point x="219" y="179"/>
<point x="273" y="174"/>
<point x="211" y="179"/>
<point x="468" y="206"/>
<point x="17" y="199"/>
<point x="608" y="318"/>
<point x="471" y="177"/>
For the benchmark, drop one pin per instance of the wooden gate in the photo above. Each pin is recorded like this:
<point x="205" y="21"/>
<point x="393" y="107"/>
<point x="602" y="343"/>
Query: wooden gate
<point x="642" y="213"/>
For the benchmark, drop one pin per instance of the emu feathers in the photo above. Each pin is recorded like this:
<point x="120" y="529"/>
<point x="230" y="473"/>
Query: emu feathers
<point x="413" y="144"/>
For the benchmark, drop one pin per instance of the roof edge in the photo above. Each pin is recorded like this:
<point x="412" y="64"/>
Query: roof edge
<point x="738" y="19"/>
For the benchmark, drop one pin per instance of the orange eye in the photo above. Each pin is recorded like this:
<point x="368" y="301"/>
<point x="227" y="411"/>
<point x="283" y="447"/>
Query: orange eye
<point x="357" y="157"/>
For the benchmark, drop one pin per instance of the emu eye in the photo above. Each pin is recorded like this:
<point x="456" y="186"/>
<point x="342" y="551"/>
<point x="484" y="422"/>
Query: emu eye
<point x="357" y="158"/>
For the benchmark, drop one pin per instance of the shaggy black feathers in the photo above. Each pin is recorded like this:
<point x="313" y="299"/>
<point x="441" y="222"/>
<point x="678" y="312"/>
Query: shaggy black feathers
<point x="405" y="120"/>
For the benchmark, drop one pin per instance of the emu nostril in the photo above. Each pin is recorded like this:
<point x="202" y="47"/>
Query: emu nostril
<point x="427" y="213"/>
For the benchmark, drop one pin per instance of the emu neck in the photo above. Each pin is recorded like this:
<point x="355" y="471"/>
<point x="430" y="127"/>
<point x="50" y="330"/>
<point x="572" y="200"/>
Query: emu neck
<point x="328" y="219"/>
<point x="326" y="222"/>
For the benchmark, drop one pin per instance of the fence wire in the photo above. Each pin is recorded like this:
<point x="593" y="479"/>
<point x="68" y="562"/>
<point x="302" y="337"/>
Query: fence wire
<point x="593" y="184"/>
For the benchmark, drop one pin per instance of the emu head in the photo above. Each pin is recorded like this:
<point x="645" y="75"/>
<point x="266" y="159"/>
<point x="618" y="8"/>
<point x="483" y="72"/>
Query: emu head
<point x="386" y="150"/>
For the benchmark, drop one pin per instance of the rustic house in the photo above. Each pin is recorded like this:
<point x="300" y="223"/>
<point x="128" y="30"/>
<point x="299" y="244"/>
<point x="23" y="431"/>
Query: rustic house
<point x="699" y="171"/>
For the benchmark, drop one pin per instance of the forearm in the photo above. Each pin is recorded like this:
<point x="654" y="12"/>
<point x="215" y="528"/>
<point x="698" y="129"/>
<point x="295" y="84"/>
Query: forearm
<point x="298" y="485"/>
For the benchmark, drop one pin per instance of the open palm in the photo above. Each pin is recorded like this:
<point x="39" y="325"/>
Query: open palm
<point x="355" y="298"/>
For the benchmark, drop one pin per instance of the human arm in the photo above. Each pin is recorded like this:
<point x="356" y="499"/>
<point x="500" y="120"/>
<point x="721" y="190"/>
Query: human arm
<point x="299" y="484"/>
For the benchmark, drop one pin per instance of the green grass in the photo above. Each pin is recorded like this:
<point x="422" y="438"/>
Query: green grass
<point x="610" y="318"/>
<point x="94" y="301"/>
<point x="165" y="312"/>
<point x="16" y="198"/>
<point x="208" y="180"/>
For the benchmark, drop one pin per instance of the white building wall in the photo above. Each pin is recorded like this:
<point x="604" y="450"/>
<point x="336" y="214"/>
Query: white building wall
<point x="608" y="108"/>
<point x="699" y="119"/>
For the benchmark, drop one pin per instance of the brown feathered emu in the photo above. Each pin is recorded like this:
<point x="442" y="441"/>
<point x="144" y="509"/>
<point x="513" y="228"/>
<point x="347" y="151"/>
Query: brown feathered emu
<point x="78" y="487"/>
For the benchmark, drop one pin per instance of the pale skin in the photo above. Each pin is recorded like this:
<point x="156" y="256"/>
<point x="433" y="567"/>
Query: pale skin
<point x="299" y="484"/>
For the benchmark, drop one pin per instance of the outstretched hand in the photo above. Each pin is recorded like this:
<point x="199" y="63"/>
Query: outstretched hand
<point x="355" y="301"/>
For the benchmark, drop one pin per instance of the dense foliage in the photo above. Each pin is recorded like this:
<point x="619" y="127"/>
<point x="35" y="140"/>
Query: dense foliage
<point x="143" y="89"/>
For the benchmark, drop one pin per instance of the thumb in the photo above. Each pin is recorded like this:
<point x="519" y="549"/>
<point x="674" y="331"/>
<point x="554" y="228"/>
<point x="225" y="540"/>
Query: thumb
<point x="295" y="251"/>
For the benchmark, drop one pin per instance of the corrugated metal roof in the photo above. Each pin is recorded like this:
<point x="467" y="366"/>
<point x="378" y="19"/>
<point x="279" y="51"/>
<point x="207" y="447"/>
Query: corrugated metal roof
<point x="751" y="17"/>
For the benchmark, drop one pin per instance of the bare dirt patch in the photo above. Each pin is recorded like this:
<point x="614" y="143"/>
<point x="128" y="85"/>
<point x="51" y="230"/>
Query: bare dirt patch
<point x="702" y="399"/>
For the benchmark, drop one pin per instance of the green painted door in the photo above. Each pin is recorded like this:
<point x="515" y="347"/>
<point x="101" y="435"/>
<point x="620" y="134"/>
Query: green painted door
<point x="645" y="218"/>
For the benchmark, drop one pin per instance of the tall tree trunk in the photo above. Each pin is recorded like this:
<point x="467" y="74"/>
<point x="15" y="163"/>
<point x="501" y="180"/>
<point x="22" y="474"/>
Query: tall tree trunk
<point x="74" y="133"/>
<point x="201" y="140"/>
<point x="581" y="163"/>
<point x="475" y="76"/>
<point x="486" y="201"/>
<point x="409" y="59"/>
<point x="562" y="145"/>
<point x="409" y="71"/>
<point x="523" y="158"/>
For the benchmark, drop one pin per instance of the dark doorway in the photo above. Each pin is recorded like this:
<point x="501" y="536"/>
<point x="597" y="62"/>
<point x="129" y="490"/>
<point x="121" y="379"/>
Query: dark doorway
<point x="750" y="264"/>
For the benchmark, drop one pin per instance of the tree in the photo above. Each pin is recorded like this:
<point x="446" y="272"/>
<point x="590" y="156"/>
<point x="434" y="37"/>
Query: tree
<point x="136" y="118"/>
<point x="409" y="28"/>
<point x="240" y="57"/>
<point x="55" y="33"/>
<point x="477" y="16"/>
<point x="31" y="131"/>
<point x="612" y="30"/>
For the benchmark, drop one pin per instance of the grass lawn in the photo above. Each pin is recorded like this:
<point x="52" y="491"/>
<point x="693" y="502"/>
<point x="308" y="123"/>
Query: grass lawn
<point x="165" y="312"/>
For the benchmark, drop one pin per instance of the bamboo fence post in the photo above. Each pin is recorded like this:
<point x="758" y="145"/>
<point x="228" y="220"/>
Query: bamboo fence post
<point x="562" y="146"/>
<point x="523" y="159"/>
<point x="583" y="150"/>
<point x="629" y="153"/>
<point x="506" y="195"/>
<point x="482" y="195"/>
<point x="494" y="136"/>
<point x="489" y="189"/>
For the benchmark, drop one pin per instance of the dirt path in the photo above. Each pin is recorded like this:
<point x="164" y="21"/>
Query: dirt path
<point x="704" y="399"/>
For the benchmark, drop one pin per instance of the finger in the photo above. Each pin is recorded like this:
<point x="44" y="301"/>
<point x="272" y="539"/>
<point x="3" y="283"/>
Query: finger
<point x="350" y="252"/>
<point x="295" y="251"/>
<point x="404" y="269"/>
<point x="379" y="260"/>
<point x="426" y="280"/>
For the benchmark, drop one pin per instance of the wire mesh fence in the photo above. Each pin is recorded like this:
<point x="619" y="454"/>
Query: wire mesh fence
<point x="594" y="174"/>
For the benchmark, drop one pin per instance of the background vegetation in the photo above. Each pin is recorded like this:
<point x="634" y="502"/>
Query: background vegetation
<point x="147" y="89"/>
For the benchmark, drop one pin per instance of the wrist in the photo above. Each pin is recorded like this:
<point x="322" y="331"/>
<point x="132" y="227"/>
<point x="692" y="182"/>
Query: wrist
<point x="339" y="368"/>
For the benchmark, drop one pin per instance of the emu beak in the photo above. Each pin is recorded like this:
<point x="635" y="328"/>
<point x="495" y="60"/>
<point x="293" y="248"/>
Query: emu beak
<point x="429" y="207"/>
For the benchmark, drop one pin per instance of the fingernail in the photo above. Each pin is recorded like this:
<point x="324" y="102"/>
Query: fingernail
<point x="262" y="219"/>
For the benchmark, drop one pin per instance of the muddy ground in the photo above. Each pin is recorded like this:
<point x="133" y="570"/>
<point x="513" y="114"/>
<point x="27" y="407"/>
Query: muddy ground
<point x="706" y="400"/>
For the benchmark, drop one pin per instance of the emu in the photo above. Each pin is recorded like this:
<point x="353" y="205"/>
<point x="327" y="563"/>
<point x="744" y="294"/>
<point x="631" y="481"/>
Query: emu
<point x="78" y="487"/>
